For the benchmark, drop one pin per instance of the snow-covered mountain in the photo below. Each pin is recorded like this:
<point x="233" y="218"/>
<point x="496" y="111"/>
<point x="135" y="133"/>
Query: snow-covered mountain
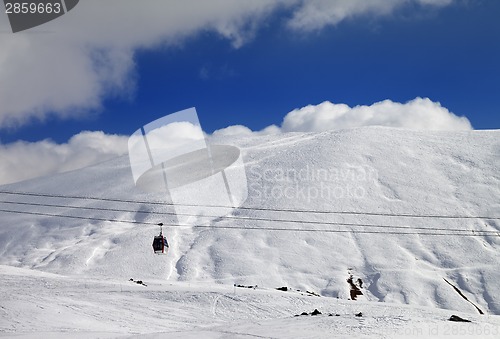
<point x="402" y="183"/>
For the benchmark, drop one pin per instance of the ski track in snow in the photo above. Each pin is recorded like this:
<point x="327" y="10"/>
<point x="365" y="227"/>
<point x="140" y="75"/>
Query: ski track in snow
<point x="85" y="307"/>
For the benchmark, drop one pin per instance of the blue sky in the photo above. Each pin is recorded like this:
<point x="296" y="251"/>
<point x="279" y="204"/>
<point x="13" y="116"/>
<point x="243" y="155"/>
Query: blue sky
<point x="110" y="67"/>
<point x="450" y="55"/>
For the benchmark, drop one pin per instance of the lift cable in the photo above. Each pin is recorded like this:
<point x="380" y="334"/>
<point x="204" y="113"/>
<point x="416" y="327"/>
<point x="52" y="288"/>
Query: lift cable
<point x="448" y="233"/>
<point x="232" y="217"/>
<point x="404" y="215"/>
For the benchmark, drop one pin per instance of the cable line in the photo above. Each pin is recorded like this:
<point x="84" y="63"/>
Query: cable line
<point x="450" y="232"/>
<point x="310" y="222"/>
<point x="434" y="216"/>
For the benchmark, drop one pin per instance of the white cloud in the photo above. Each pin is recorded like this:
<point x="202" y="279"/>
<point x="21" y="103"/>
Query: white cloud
<point x="417" y="114"/>
<point x="243" y="131"/>
<point x="235" y="130"/>
<point x="315" y="14"/>
<point x="73" y="62"/>
<point x="67" y="66"/>
<point x="24" y="160"/>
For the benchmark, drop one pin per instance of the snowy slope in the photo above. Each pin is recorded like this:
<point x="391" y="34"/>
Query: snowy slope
<point x="378" y="170"/>
<point x="62" y="307"/>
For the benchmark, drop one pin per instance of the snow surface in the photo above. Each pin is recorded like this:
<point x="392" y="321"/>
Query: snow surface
<point x="61" y="276"/>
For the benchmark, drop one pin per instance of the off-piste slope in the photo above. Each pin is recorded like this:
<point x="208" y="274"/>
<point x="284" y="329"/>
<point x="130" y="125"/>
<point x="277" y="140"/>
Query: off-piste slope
<point x="37" y="304"/>
<point x="369" y="170"/>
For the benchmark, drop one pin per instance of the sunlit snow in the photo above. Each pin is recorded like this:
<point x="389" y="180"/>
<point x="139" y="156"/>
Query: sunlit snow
<point x="71" y="277"/>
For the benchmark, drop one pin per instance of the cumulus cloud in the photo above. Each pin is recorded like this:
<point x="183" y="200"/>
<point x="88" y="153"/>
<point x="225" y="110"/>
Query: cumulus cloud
<point x="26" y="160"/>
<point x="243" y="131"/>
<point x="235" y="130"/>
<point x="68" y="66"/>
<point x="417" y="114"/>
<point x="23" y="160"/>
